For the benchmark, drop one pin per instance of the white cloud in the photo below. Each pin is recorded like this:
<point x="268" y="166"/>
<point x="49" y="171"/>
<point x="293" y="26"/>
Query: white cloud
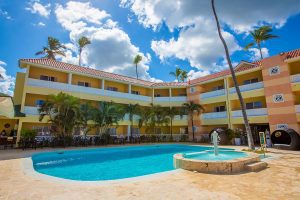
<point x="110" y="50"/>
<point x="7" y="83"/>
<point x="255" y="54"/>
<point x="197" y="74"/>
<point x="5" y="14"/>
<point x="40" y="24"/>
<point x="198" y="42"/>
<point x="36" y="7"/>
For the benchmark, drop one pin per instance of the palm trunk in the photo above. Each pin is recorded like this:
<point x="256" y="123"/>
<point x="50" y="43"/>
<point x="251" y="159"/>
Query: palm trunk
<point x="136" y="71"/>
<point x="261" y="56"/>
<point x="193" y="131"/>
<point x="79" y="62"/>
<point x="131" y="130"/>
<point x="171" y="128"/>
<point x="247" y="126"/>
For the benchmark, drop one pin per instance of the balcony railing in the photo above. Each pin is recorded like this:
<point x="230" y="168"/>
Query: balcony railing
<point x="182" y="99"/>
<point x="295" y="78"/>
<point x="31" y="110"/>
<point x="297" y="107"/>
<point x="250" y="112"/>
<point x="248" y="87"/>
<point x="178" y="117"/>
<point x="124" y="95"/>
<point x="211" y="94"/>
<point x="214" y="115"/>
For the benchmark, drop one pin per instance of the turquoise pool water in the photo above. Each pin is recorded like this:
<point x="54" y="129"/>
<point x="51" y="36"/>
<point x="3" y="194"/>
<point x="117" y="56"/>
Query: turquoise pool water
<point x="110" y="163"/>
<point x="210" y="155"/>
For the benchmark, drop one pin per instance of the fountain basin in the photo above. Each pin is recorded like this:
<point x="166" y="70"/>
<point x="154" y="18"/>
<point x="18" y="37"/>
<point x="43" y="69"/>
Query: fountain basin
<point x="229" y="162"/>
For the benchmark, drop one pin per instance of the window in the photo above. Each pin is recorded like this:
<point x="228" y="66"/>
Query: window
<point x="253" y="105"/>
<point x="219" y="87"/>
<point x="39" y="102"/>
<point x="182" y="95"/>
<point x="192" y="89"/>
<point x="250" y="81"/>
<point x="47" y="78"/>
<point x="135" y="92"/>
<point x="85" y="84"/>
<point x="112" y="89"/>
<point x="220" y="109"/>
<point x="157" y="95"/>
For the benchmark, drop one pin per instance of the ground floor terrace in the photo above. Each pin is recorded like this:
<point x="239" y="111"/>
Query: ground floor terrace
<point x="281" y="180"/>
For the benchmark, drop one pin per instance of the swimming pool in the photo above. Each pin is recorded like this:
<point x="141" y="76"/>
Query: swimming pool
<point x="110" y="163"/>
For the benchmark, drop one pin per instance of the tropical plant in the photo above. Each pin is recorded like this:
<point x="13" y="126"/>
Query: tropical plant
<point x="177" y="74"/>
<point x="260" y="35"/>
<point x="191" y="109"/>
<point x="86" y="115"/>
<point x="107" y="115"/>
<point x="82" y="42"/>
<point x="183" y="75"/>
<point x="53" y="48"/>
<point x="137" y="59"/>
<point x="28" y="134"/>
<point x="246" y="122"/>
<point x="145" y="115"/>
<point x="131" y="110"/>
<point x="171" y="113"/>
<point x="63" y="111"/>
<point x="160" y="118"/>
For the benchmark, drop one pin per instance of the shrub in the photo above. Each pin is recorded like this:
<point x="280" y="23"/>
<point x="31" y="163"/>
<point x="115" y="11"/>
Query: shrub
<point x="28" y="134"/>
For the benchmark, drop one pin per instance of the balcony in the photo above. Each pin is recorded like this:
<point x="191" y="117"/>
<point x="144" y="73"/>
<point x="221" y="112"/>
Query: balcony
<point x="127" y="96"/>
<point x="250" y="112"/>
<point x="214" y="115"/>
<point x="248" y="87"/>
<point x="181" y="99"/>
<point x="31" y="110"/>
<point x="211" y="94"/>
<point x="295" y="78"/>
<point x="178" y="117"/>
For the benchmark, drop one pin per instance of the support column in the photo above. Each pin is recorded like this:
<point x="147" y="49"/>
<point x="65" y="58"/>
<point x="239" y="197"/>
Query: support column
<point x="128" y="132"/>
<point x="102" y="84"/>
<point x="70" y="78"/>
<point x="153" y="95"/>
<point x="19" y="132"/>
<point x="129" y="88"/>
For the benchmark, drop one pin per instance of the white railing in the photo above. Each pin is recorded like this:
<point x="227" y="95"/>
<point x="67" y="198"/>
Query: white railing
<point x="182" y="99"/>
<point x="250" y="112"/>
<point x="211" y="94"/>
<point x="178" y="117"/>
<point x="295" y="78"/>
<point x="214" y="115"/>
<point x="297" y="107"/>
<point x="31" y="110"/>
<point x="124" y="95"/>
<point x="248" y="87"/>
<point x="135" y="117"/>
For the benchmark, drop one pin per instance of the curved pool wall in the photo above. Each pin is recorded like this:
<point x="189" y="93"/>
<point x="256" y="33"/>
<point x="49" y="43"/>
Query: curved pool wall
<point x="228" y="166"/>
<point x="111" y="163"/>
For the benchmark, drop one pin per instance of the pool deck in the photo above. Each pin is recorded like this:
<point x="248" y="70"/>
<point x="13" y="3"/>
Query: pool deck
<point x="281" y="180"/>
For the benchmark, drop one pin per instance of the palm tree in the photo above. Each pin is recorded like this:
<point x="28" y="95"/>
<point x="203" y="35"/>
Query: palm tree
<point x="136" y="61"/>
<point x="131" y="110"/>
<point x="160" y="116"/>
<point x="86" y="115"/>
<point x="82" y="42"/>
<point x="247" y="126"/>
<point x="191" y="108"/>
<point x="177" y="73"/>
<point x="184" y="75"/>
<point x="53" y="48"/>
<point x="171" y="113"/>
<point x="145" y="115"/>
<point x="1" y="77"/>
<point x="259" y="35"/>
<point x="63" y="111"/>
<point x="107" y="115"/>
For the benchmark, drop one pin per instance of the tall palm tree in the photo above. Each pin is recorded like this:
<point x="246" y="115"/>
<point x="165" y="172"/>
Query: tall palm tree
<point x="171" y="113"/>
<point x="86" y="114"/>
<point x="191" y="109"/>
<point x="184" y="75"/>
<point x="259" y="35"/>
<point x="177" y="73"/>
<point x="131" y="110"/>
<point x="82" y="42"/>
<point x="53" y="48"/>
<point x="137" y="59"/>
<point x="160" y="116"/>
<point x="63" y="111"/>
<point x="247" y="126"/>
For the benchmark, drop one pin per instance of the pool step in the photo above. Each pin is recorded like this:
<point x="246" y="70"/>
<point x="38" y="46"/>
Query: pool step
<point x="256" y="166"/>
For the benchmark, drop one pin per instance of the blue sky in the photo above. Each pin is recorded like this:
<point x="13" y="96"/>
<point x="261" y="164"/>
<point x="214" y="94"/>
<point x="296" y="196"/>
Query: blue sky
<point x="166" y="33"/>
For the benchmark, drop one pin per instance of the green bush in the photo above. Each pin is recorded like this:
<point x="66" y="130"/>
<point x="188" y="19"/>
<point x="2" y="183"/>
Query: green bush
<point x="27" y="134"/>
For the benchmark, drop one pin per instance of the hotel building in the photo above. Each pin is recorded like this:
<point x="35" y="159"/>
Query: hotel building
<point x="270" y="88"/>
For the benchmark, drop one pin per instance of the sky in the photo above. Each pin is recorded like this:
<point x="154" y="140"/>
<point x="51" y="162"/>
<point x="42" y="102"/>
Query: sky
<point x="167" y="34"/>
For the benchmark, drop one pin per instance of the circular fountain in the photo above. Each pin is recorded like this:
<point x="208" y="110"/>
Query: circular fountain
<point x="216" y="161"/>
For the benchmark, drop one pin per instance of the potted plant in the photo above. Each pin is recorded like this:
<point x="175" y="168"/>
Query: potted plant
<point x="237" y="136"/>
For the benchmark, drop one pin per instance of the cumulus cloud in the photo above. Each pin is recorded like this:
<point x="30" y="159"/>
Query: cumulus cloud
<point x="7" y="83"/>
<point x="5" y="14"/>
<point x="255" y="54"/>
<point x="36" y="7"/>
<point x="110" y="50"/>
<point x="197" y="41"/>
<point x="197" y="74"/>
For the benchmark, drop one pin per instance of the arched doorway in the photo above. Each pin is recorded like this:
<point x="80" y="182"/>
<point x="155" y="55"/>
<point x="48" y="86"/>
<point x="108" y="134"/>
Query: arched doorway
<point x="287" y="139"/>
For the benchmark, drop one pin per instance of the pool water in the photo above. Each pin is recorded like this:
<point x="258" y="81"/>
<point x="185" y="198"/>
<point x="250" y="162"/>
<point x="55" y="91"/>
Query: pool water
<point x="210" y="155"/>
<point x="110" y="163"/>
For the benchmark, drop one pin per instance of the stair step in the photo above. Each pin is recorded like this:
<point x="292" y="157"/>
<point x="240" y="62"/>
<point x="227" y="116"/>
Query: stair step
<point x="256" y="166"/>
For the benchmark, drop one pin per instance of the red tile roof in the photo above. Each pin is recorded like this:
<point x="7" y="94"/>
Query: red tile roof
<point x="292" y="54"/>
